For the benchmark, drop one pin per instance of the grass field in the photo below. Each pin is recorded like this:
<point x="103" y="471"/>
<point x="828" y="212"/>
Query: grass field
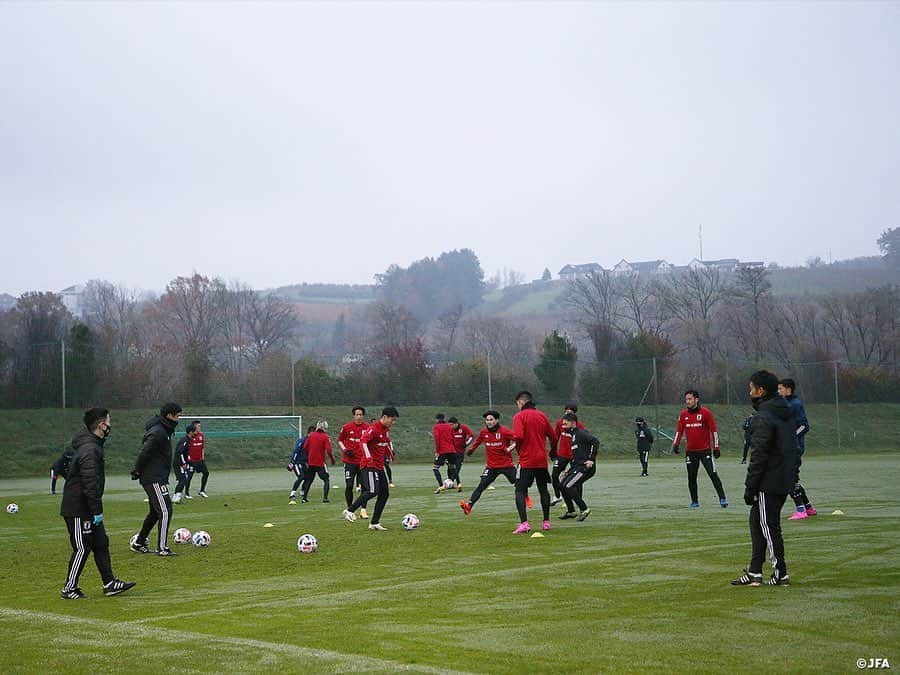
<point x="641" y="585"/>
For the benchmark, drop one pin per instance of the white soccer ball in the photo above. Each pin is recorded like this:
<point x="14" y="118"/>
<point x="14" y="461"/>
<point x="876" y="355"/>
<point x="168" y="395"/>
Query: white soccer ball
<point x="201" y="539"/>
<point x="307" y="544"/>
<point x="449" y="484"/>
<point x="410" y="521"/>
<point x="12" y="508"/>
<point x="182" y="535"/>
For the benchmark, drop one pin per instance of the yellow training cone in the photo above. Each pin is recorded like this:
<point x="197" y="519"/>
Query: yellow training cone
<point x="837" y="512"/>
<point x="268" y="525"/>
<point x="537" y="535"/>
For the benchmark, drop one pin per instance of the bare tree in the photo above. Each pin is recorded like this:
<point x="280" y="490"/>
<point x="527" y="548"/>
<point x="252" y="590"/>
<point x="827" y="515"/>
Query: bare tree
<point x="693" y="298"/>
<point x="505" y="343"/>
<point x="271" y="323"/>
<point x="111" y="311"/>
<point x="446" y="330"/>
<point x="752" y="289"/>
<point x="595" y="305"/>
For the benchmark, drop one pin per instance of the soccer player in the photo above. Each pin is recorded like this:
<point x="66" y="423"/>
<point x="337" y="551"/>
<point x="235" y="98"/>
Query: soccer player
<point x="698" y="426"/>
<point x="351" y="453"/>
<point x="444" y="451"/>
<point x="532" y="430"/>
<point x="198" y="460"/>
<point x="298" y="464"/>
<point x="462" y="437"/>
<point x="181" y="463"/>
<point x="498" y="444"/>
<point x="583" y="468"/>
<point x="376" y="443"/>
<point x="746" y="428"/>
<point x="563" y="453"/>
<point x="644" y="443"/>
<point x="317" y="446"/>
<point x="804" y="507"/>
<point x="60" y="468"/>
<point x="770" y="477"/>
<point x="82" y="507"/>
<point x="152" y="469"/>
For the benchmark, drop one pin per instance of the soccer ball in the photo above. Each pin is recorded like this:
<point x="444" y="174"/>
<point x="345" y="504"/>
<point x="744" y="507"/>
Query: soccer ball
<point x="12" y="508"/>
<point x="449" y="484"/>
<point x="410" y="521"/>
<point x="307" y="544"/>
<point x="201" y="539"/>
<point x="182" y="535"/>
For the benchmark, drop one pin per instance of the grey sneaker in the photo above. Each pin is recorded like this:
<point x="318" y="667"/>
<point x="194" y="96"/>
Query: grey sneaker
<point x="74" y="594"/>
<point x="203" y="494"/>
<point x="555" y="501"/>
<point x="377" y="526"/>
<point x="117" y="586"/>
<point x="349" y="516"/>
<point x="584" y="514"/>
<point x="567" y="515"/>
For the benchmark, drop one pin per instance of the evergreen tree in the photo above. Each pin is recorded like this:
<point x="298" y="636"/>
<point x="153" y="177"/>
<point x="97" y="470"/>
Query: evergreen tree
<point x="556" y="368"/>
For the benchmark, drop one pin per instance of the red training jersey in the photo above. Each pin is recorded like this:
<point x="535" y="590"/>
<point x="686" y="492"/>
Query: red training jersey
<point x="348" y="440"/>
<point x="531" y="429"/>
<point x="195" y="448"/>
<point x="443" y="438"/>
<point x="317" y="446"/>
<point x="461" y="438"/>
<point x="498" y="444"/>
<point x="564" y="450"/>
<point x="376" y="443"/>
<point x="698" y="426"/>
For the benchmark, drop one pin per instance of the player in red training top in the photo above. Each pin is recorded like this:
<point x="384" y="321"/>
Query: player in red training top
<point x="317" y="446"/>
<point x="532" y="430"/>
<point x="563" y="453"/>
<point x="351" y="452"/>
<point x="376" y="444"/>
<point x="698" y="426"/>
<point x="444" y="451"/>
<point x="197" y="458"/>
<point x="498" y="445"/>
<point x="462" y="437"/>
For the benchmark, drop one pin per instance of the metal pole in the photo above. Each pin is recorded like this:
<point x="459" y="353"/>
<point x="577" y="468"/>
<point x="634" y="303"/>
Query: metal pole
<point x="490" y="386"/>
<point x="837" y="406"/>
<point x="656" y="392"/>
<point x="727" y="388"/>
<point x="62" y="351"/>
<point x="293" y="394"/>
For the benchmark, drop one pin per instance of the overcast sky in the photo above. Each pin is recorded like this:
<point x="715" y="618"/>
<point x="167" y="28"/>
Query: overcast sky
<point x="321" y="142"/>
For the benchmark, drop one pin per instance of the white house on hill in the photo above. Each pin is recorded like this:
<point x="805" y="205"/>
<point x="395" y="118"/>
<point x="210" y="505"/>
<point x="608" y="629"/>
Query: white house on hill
<point x="643" y="267"/>
<point x="570" y="272"/>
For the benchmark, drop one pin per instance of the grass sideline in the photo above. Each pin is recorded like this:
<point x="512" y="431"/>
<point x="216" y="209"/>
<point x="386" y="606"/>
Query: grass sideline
<point x="33" y="438"/>
<point x="641" y="585"/>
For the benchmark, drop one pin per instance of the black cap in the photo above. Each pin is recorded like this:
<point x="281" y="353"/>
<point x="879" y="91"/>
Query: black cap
<point x="572" y="417"/>
<point x="390" y="411"/>
<point x="572" y="406"/>
<point x="492" y="413"/>
<point x="439" y="417"/>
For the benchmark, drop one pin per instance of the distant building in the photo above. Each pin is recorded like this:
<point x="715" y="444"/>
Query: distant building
<point x="571" y="272"/>
<point x="644" y="267"/>
<point x="72" y="297"/>
<point x="724" y="264"/>
<point x="751" y="264"/>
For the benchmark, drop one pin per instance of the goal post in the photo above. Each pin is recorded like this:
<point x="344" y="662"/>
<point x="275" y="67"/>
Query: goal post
<point x="248" y="426"/>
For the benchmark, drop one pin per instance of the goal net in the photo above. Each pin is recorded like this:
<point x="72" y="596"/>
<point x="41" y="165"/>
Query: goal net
<point x="247" y="426"/>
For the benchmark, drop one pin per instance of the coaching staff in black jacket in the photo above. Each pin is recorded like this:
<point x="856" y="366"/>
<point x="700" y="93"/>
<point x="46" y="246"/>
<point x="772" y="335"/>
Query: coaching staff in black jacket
<point x="82" y="507"/>
<point x="152" y="469"/>
<point x="770" y="477"/>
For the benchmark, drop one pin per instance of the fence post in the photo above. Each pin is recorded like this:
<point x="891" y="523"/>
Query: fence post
<point x="490" y="386"/>
<point x="656" y="394"/>
<point x="837" y="405"/>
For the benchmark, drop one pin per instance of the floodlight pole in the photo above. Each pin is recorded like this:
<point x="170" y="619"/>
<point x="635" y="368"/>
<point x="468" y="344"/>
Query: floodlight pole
<point x="656" y="393"/>
<point x="490" y="389"/>
<point x="837" y="406"/>
<point x="293" y="390"/>
<point x="62" y="351"/>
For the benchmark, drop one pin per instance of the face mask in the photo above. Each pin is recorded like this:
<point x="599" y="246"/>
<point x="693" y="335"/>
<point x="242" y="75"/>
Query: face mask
<point x="106" y="431"/>
<point x="755" y="401"/>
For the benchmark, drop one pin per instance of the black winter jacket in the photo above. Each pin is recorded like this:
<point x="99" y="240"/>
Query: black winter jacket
<point x="83" y="493"/>
<point x="584" y="447"/>
<point x="155" y="458"/>
<point x="773" y="448"/>
<point x="644" y="438"/>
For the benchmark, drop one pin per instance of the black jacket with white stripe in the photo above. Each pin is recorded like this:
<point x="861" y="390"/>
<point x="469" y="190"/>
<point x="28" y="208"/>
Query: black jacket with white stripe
<point x="83" y="493"/>
<point x="155" y="458"/>
<point x="584" y="447"/>
<point x="773" y="448"/>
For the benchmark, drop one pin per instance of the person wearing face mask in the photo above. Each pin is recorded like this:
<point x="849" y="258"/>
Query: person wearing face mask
<point x="152" y="469"/>
<point x="82" y="507"/>
<point x="698" y="426"/>
<point x="498" y="445"/>
<point x="770" y="478"/>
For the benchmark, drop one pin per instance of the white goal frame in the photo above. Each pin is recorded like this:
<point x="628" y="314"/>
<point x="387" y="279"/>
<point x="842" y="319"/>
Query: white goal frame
<point x="200" y="418"/>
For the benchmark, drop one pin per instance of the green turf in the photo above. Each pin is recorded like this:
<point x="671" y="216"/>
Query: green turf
<point x="641" y="585"/>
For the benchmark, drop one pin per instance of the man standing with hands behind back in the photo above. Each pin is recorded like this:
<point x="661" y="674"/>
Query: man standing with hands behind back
<point x="698" y="426"/>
